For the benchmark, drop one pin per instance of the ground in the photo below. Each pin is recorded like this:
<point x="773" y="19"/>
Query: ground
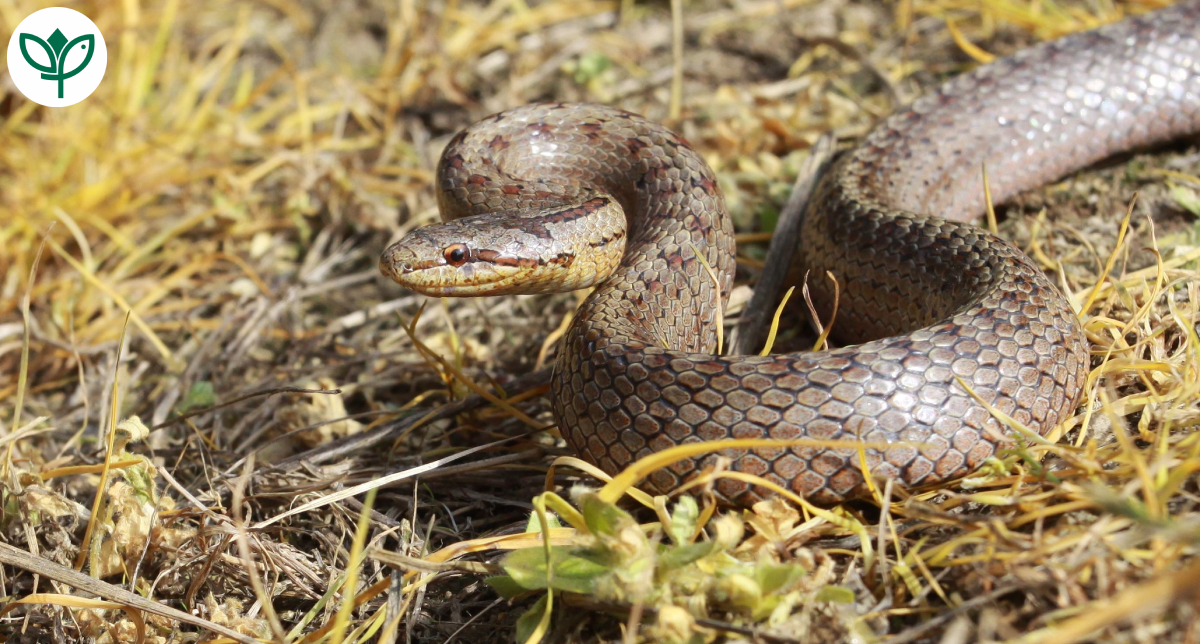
<point x="195" y="245"/>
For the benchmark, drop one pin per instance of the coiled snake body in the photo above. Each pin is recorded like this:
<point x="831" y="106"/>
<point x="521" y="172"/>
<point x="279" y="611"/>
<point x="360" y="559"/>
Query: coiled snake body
<point x="560" y="196"/>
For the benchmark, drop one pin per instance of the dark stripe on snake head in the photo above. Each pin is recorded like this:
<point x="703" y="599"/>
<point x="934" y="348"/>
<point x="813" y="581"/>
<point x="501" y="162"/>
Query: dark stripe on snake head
<point x="496" y="258"/>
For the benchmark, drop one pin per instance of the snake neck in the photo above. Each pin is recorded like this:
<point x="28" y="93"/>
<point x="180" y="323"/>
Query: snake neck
<point x="678" y="266"/>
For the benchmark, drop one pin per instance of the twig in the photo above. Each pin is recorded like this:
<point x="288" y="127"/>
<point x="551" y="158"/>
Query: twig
<point x="18" y="558"/>
<point x="254" y="394"/>
<point x="381" y="481"/>
<point x="472" y="620"/>
<point x="242" y="540"/>
<point x="300" y="430"/>
<point x="930" y="623"/>
<point x="752" y="328"/>
<point x="350" y="444"/>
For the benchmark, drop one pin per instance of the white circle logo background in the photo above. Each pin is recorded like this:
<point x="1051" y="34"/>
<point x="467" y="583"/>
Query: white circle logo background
<point x="59" y="56"/>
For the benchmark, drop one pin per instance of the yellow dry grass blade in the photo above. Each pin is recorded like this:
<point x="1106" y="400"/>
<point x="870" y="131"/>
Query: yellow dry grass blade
<point x="558" y="536"/>
<point x="1005" y="419"/>
<point x="95" y="280"/>
<point x="987" y="199"/>
<point x="73" y="470"/>
<point x="836" y="518"/>
<point x="720" y="313"/>
<point x="1112" y="259"/>
<point x="543" y="625"/>
<point x="766" y="350"/>
<point x="23" y="369"/>
<point x="1147" y="598"/>
<point x="972" y="50"/>
<point x="640" y="469"/>
<point x="102" y="486"/>
<point x="342" y="619"/>
<point x="588" y="468"/>
<point x="431" y="356"/>
<point x="553" y="337"/>
<point x="371" y="592"/>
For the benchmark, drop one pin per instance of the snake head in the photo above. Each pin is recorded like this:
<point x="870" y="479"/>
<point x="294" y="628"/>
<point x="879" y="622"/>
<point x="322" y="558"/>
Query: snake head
<point x="444" y="260"/>
<point x="495" y="254"/>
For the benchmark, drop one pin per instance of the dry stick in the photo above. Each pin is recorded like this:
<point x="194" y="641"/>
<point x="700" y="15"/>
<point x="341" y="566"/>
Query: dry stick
<point x="391" y="629"/>
<point x="18" y="558"/>
<point x="756" y="317"/>
<point x="503" y="459"/>
<point x="381" y="481"/>
<point x="300" y="430"/>
<point x="242" y="540"/>
<point x="921" y="630"/>
<point x="472" y="620"/>
<point x="366" y="440"/>
<point x="234" y="401"/>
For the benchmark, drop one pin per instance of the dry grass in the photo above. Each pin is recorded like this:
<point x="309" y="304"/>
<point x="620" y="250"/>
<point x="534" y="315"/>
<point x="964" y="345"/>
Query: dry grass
<point x="220" y="202"/>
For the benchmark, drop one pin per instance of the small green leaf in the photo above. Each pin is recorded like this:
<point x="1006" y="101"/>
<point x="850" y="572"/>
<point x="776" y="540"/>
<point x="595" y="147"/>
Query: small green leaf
<point x="506" y="586"/>
<point x="572" y="572"/>
<point x="590" y="66"/>
<point x="683" y="520"/>
<point x="535" y="523"/>
<point x="768" y="218"/>
<point x="774" y="578"/>
<point x="1186" y="198"/>
<point x="200" y="395"/>
<point x="679" y="556"/>
<point x="835" y="594"/>
<point x="742" y="591"/>
<point x="601" y="517"/>
<point x="529" y="620"/>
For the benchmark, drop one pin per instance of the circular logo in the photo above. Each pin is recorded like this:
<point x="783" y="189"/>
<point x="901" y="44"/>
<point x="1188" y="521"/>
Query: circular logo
<point x="57" y="57"/>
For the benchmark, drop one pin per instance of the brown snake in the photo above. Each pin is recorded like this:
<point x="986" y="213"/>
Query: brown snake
<point x="546" y="191"/>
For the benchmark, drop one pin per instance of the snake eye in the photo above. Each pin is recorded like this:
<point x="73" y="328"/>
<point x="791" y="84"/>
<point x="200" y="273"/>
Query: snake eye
<point x="456" y="254"/>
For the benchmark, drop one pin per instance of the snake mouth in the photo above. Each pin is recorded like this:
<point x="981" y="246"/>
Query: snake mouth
<point x="474" y="289"/>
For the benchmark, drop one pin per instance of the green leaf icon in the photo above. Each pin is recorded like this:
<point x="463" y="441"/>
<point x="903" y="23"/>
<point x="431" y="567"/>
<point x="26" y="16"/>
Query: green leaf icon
<point x="56" y="50"/>
<point x="89" y="43"/>
<point x="25" y="40"/>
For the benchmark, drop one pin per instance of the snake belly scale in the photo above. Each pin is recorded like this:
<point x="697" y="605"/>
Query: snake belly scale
<point x="563" y="196"/>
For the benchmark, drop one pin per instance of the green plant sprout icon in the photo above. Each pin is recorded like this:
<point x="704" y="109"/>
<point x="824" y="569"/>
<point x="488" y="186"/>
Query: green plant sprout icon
<point x="56" y="50"/>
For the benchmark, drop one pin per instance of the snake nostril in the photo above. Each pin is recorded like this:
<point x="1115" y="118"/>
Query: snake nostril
<point x="392" y="263"/>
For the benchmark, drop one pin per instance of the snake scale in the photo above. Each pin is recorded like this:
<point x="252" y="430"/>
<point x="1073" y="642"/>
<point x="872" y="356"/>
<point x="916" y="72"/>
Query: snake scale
<point x="559" y="196"/>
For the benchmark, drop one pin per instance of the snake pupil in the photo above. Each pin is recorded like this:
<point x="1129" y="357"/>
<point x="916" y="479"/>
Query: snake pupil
<point x="456" y="254"/>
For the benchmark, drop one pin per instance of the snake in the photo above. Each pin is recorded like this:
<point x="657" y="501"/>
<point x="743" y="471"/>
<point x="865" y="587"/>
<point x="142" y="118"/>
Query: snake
<point x="947" y="341"/>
